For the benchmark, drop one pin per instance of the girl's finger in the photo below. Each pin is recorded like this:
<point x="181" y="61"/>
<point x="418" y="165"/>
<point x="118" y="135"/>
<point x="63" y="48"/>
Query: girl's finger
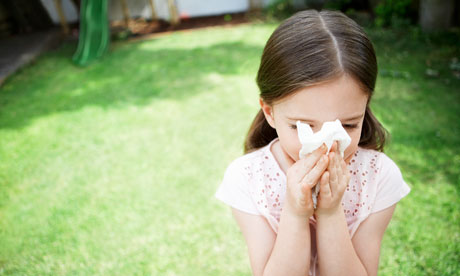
<point x="330" y="165"/>
<point x="305" y="165"/>
<point x="311" y="159"/>
<point x="338" y="162"/>
<point x="312" y="177"/>
<point x="306" y="188"/>
<point x="325" y="189"/>
<point x="340" y="174"/>
<point x="333" y="176"/>
<point x="343" y="165"/>
<point x="334" y="146"/>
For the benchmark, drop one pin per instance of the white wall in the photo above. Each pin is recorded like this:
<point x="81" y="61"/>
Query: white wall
<point x="211" y="7"/>
<point x="188" y="8"/>
<point x="70" y="11"/>
<point x="141" y="8"/>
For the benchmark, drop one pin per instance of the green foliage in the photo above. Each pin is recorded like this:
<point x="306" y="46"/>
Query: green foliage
<point x="364" y="19"/>
<point x="337" y="4"/>
<point x="394" y="13"/>
<point x="279" y="9"/>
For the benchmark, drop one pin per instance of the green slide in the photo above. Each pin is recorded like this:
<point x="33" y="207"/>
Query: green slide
<point x="94" y="37"/>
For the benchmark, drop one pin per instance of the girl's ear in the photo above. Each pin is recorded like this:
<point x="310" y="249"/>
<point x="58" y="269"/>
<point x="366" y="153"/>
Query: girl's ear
<point x="268" y="112"/>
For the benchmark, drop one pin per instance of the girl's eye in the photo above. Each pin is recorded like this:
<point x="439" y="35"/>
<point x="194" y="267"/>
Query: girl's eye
<point x="295" y="127"/>
<point x="350" y="126"/>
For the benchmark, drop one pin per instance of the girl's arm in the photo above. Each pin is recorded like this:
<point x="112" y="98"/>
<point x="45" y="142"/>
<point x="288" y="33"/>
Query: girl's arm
<point x="368" y="238"/>
<point x="340" y="255"/>
<point x="285" y="254"/>
<point x="337" y="254"/>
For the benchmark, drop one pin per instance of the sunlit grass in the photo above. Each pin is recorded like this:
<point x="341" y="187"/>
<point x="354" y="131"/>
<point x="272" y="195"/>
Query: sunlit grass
<point x="111" y="169"/>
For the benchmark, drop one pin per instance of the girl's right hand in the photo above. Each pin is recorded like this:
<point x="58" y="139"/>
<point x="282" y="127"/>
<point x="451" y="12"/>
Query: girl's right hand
<point x="302" y="176"/>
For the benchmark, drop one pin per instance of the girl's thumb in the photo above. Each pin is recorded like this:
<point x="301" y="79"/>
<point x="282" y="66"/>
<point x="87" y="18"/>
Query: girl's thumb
<point x="306" y="188"/>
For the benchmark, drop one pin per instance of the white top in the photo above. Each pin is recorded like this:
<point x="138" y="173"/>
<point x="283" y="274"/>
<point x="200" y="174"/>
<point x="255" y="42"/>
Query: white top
<point x="254" y="183"/>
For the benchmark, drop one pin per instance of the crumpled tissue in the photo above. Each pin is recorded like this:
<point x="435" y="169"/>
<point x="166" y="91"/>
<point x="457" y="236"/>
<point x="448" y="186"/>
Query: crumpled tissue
<point x="330" y="132"/>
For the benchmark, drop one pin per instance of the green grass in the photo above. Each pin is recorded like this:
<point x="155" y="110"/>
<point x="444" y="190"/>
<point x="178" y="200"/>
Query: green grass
<point x="111" y="169"/>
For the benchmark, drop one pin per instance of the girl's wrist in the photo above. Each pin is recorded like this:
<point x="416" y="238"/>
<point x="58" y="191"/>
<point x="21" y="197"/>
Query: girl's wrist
<point x="295" y="223"/>
<point x="325" y="213"/>
<point x="295" y="217"/>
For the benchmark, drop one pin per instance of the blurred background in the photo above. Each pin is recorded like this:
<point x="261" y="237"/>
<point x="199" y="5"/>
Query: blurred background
<point x="29" y="27"/>
<point x="119" y="117"/>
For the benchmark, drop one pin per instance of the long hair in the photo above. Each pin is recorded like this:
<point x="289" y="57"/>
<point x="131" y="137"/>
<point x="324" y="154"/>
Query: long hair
<point x="312" y="47"/>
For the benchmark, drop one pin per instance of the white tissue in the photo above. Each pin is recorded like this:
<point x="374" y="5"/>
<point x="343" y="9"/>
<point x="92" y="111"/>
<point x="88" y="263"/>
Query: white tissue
<point x="330" y="132"/>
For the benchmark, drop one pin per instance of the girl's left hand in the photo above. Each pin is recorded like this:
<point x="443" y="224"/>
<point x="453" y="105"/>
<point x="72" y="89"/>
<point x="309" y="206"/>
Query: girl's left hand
<point x="333" y="183"/>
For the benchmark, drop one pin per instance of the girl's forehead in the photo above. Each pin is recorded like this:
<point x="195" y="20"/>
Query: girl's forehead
<point x="337" y="99"/>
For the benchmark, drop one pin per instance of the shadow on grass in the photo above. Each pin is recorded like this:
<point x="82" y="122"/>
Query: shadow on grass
<point x="133" y="74"/>
<point x="424" y="129"/>
<point x="130" y="75"/>
<point x="421" y="111"/>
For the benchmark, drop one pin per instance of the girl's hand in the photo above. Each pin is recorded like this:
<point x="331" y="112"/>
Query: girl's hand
<point x="301" y="178"/>
<point x="333" y="184"/>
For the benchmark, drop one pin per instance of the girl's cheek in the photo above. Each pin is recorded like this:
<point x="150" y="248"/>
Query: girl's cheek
<point x="350" y="150"/>
<point x="348" y="154"/>
<point x="294" y="149"/>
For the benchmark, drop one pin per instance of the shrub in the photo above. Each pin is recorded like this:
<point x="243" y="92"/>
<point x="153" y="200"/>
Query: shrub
<point x="393" y="13"/>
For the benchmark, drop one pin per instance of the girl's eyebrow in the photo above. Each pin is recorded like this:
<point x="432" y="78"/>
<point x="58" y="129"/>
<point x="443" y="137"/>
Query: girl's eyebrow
<point x="310" y="120"/>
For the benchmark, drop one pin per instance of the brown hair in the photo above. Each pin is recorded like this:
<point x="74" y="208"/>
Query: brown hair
<point x="312" y="47"/>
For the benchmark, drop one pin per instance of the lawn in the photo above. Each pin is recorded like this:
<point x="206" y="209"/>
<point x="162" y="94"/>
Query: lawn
<point x="111" y="169"/>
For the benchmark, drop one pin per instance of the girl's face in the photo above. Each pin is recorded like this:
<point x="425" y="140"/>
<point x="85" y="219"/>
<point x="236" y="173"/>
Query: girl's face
<point x="341" y="98"/>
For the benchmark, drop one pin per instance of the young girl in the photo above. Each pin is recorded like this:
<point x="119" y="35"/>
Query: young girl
<point x="316" y="67"/>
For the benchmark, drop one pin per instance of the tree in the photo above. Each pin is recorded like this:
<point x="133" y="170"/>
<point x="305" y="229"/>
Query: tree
<point x="436" y="14"/>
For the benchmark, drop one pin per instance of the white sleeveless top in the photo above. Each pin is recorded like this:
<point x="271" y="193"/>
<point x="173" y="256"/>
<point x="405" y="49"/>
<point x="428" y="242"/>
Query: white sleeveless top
<point x="254" y="183"/>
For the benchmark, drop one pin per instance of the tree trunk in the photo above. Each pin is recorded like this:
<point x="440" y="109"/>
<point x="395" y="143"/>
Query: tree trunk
<point x="125" y="9"/>
<point x="173" y="13"/>
<point x="436" y="15"/>
<point x="255" y="5"/>
<point x="153" y="9"/>
<point x="62" y="19"/>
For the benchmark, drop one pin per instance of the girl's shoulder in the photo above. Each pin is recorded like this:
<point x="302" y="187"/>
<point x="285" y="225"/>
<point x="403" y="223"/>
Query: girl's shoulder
<point x="378" y="176"/>
<point x="376" y="183"/>
<point x="256" y="161"/>
<point x="249" y="179"/>
<point x="366" y="154"/>
<point x="373" y="160"/>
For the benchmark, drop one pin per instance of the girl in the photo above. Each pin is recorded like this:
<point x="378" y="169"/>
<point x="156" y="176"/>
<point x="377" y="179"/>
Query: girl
<point x="316" y="67"/>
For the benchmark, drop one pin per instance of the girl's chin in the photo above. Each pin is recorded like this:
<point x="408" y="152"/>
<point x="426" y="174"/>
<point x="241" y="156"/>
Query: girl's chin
<point x="292" y="159"/>
<point x="348" y="158"/>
